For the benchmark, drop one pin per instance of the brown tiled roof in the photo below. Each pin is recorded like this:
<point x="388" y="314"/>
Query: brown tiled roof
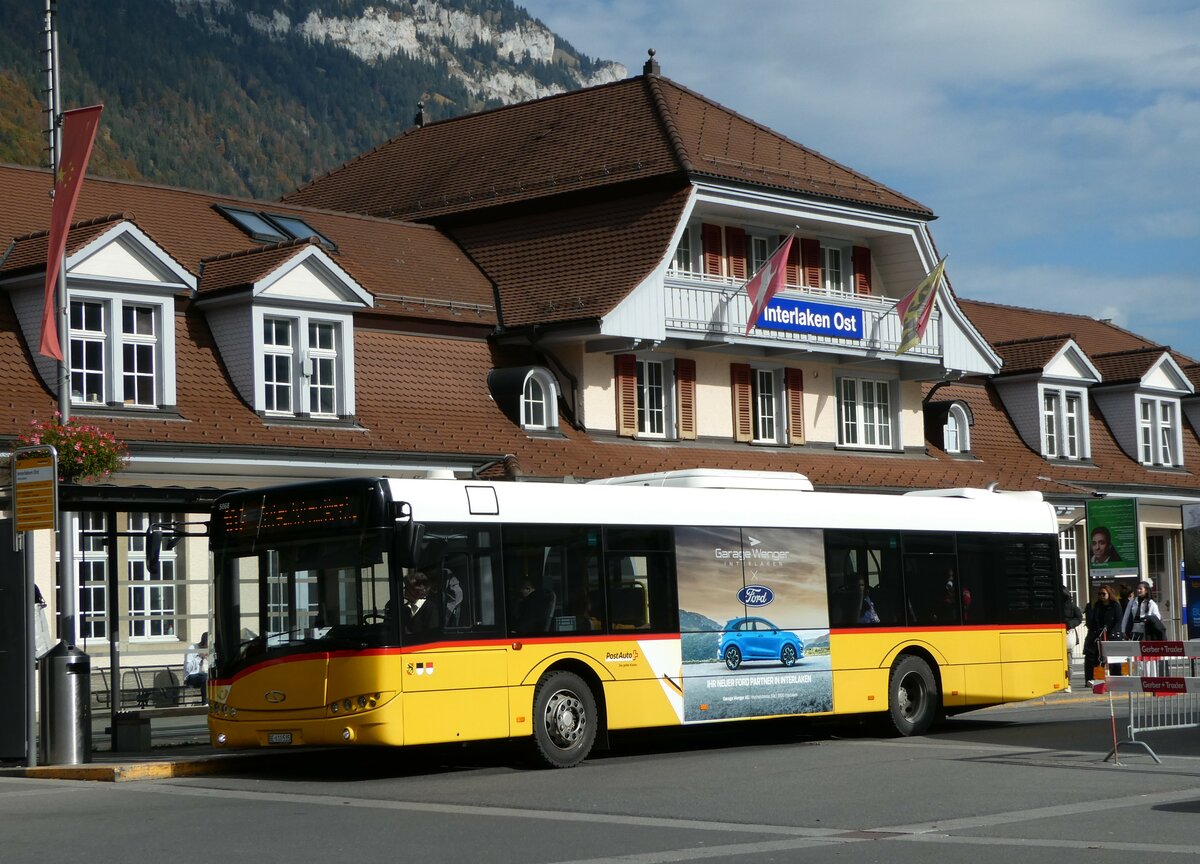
<point x="1002" y="453"/>
<point x="576" y="263"/>
<point x="1028" y="355"/>
<point x="722" y="143"/>
<point x="999" y="323"/>
<point x="1122" y="367"/>
<point x="637" y="130"/>
<point x="29" y="251"/>
<point x="240" y="269"/>
<point x="386" y="257"/>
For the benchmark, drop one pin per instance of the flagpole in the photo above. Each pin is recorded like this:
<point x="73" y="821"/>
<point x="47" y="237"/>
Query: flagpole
<point x="66" y="568"/>
<point x="727" y="297"/>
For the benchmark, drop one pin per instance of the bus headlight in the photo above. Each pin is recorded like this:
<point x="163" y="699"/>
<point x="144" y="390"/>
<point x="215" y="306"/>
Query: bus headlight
<point x="354" y="704"/>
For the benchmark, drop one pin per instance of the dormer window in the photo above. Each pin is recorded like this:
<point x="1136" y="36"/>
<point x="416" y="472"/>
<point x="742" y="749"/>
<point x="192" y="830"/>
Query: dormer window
<point x="300" y="363"/>
<point x="956" y="434"/>
<point x="1158" y="431"/>
<point x="527" y="395"/>
<point x="539" y="401"/>
<point x="112" y="365"/>
<point x="1063" y="423"/>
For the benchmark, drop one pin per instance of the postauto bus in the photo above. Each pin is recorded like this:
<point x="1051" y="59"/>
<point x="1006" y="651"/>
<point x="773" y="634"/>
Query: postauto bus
<point x="417" y="611"/>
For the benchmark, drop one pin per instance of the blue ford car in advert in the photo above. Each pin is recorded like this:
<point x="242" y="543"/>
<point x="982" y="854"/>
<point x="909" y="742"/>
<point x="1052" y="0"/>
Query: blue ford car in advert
<point x="759" y="639"/>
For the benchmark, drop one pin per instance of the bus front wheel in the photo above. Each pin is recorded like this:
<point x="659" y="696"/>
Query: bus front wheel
<point x="912" y="696"/>
<point x="564" y="719"/>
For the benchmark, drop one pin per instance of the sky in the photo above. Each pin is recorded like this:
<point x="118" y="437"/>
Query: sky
<point x="1058" y="141"/>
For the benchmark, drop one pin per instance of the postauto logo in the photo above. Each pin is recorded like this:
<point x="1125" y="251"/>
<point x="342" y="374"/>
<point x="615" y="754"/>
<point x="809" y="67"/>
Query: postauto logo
<point x="756" y="595"/>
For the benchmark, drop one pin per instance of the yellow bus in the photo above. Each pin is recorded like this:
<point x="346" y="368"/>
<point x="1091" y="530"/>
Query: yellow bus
<point x="419" y="611"/>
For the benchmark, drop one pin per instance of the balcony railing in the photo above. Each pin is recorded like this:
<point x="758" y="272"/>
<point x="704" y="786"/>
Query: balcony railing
<point x="705" y="306"/>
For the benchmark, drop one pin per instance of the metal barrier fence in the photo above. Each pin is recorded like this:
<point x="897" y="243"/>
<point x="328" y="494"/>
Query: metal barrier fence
<point x="1161" y="681"/>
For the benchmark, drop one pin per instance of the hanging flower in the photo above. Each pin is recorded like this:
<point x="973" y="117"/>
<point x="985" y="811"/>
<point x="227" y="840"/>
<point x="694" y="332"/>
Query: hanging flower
<point x="85" y="452"/>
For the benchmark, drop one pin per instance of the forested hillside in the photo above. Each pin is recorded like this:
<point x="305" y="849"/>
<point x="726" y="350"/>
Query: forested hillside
<point x="254" y="97"/>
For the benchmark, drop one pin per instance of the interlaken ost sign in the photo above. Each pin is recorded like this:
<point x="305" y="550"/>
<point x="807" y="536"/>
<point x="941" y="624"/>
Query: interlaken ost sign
<point x="817" y="319"/>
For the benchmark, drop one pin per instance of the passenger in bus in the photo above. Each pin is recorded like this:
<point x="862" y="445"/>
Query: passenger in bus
<point x="581" y="608"/>
<point x="418" y="615"/>
<point x="867" y="614"/>
<point x="453" y="593"/>
<point x="535" y="608"/>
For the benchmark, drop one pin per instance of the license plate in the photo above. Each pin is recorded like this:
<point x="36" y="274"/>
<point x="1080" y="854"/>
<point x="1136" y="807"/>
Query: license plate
<point x="279" y="737"/>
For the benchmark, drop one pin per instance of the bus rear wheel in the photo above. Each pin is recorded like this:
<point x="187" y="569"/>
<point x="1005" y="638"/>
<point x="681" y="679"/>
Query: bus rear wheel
<point x="564" y="719"/>
<point x="912" y="696"/>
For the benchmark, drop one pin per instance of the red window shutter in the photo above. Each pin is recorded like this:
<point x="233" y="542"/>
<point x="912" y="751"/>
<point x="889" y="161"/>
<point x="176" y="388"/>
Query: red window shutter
<point x="862" y="270"/>
<point x="710" y="237"/>
<point x="625" y="376"/>
<point x="743" y="410"/>
<point x="810" y="258"/>
<point x="685" y="388"/>
<point x="735" y="249"/>
<point x="794" y="383"/>
<point x="793" y="262"/>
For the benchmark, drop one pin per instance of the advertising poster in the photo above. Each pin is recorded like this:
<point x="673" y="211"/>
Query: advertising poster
<point x="1191" y="569"/>
<point x="754" y="622"/>
<point x="1112" y="537"/>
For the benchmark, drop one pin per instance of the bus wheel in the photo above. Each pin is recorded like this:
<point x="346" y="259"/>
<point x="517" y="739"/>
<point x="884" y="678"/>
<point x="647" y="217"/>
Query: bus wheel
<point x="564" y="719"/>
<point x="788" y="655"/>
<point x="912" y="696"/>
<point x="733" y="657"/>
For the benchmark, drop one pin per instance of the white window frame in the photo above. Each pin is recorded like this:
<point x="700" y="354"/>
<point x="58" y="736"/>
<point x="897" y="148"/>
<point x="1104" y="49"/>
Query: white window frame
<point x="279" y="364"/>
<point x="91" y="575"/>
<point x="647" y="389"/>
<point x="686" y="257"/>
<point x="321" y="368"/>
<point x="843" y="253"/>
<point x="861" y="422"/>
<point x="956" y="434"/>
<point x="113" y="339"/>
<point x="306" y="363"/>
<point x="133" y="374"/>
<point x="539" y="407"/>
<point x="153" y="600"/>
<point x="1062" y="419"/>
<point x="87" y="364"/>
<point x="1159" y="431"/>
<point x="768" y="405"/>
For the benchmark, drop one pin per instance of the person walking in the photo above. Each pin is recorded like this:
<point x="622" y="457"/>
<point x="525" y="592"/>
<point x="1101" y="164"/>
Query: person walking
<point x="1102" y="618"/>
<point x="1142" y="619"/>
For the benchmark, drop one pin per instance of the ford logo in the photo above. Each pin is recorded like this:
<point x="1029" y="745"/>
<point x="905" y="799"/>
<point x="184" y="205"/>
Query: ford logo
<point x="756" y="595"/>
<point x="275" y="696"/>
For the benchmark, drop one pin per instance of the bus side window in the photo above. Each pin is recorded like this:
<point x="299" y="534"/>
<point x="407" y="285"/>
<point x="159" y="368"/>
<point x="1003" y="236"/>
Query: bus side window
<point x="640" y="580"/>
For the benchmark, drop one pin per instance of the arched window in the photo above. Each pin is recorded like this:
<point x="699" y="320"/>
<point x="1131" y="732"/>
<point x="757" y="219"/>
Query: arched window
<point x="956" y="434"/>
<point x="539" y="401"/>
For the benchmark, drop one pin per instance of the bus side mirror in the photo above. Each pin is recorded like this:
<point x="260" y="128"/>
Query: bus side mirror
<point x="153" y="549"/>
<point x="409" y="538"/>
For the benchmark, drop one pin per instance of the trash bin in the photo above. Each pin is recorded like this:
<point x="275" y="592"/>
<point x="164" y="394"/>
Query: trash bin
<point x="64" y="693"/>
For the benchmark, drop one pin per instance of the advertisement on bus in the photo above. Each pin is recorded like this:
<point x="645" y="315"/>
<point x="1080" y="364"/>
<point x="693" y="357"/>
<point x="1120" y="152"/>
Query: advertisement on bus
<point x="754" y="622"/>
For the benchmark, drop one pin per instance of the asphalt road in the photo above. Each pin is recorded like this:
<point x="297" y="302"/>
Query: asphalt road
<point x="1024" y="781"/>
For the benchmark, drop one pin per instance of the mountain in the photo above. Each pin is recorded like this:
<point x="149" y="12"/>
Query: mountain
<point x="254" y="97"/>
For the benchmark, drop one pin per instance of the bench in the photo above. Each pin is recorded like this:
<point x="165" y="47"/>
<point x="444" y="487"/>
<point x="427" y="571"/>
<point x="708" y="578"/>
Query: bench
<point x="147" y="687"/>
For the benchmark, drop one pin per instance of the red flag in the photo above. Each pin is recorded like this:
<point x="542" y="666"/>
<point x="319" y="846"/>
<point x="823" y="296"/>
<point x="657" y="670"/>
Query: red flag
<point x="767" y="281"/>
<point x="915" y="308"/>
<point x="78" y="133"/>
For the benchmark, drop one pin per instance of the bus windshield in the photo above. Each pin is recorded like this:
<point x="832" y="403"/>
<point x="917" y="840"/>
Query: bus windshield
<point x="321" y="593"/>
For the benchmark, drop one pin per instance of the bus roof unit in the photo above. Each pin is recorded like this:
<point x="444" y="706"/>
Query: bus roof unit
<point x="716" y="478"/>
